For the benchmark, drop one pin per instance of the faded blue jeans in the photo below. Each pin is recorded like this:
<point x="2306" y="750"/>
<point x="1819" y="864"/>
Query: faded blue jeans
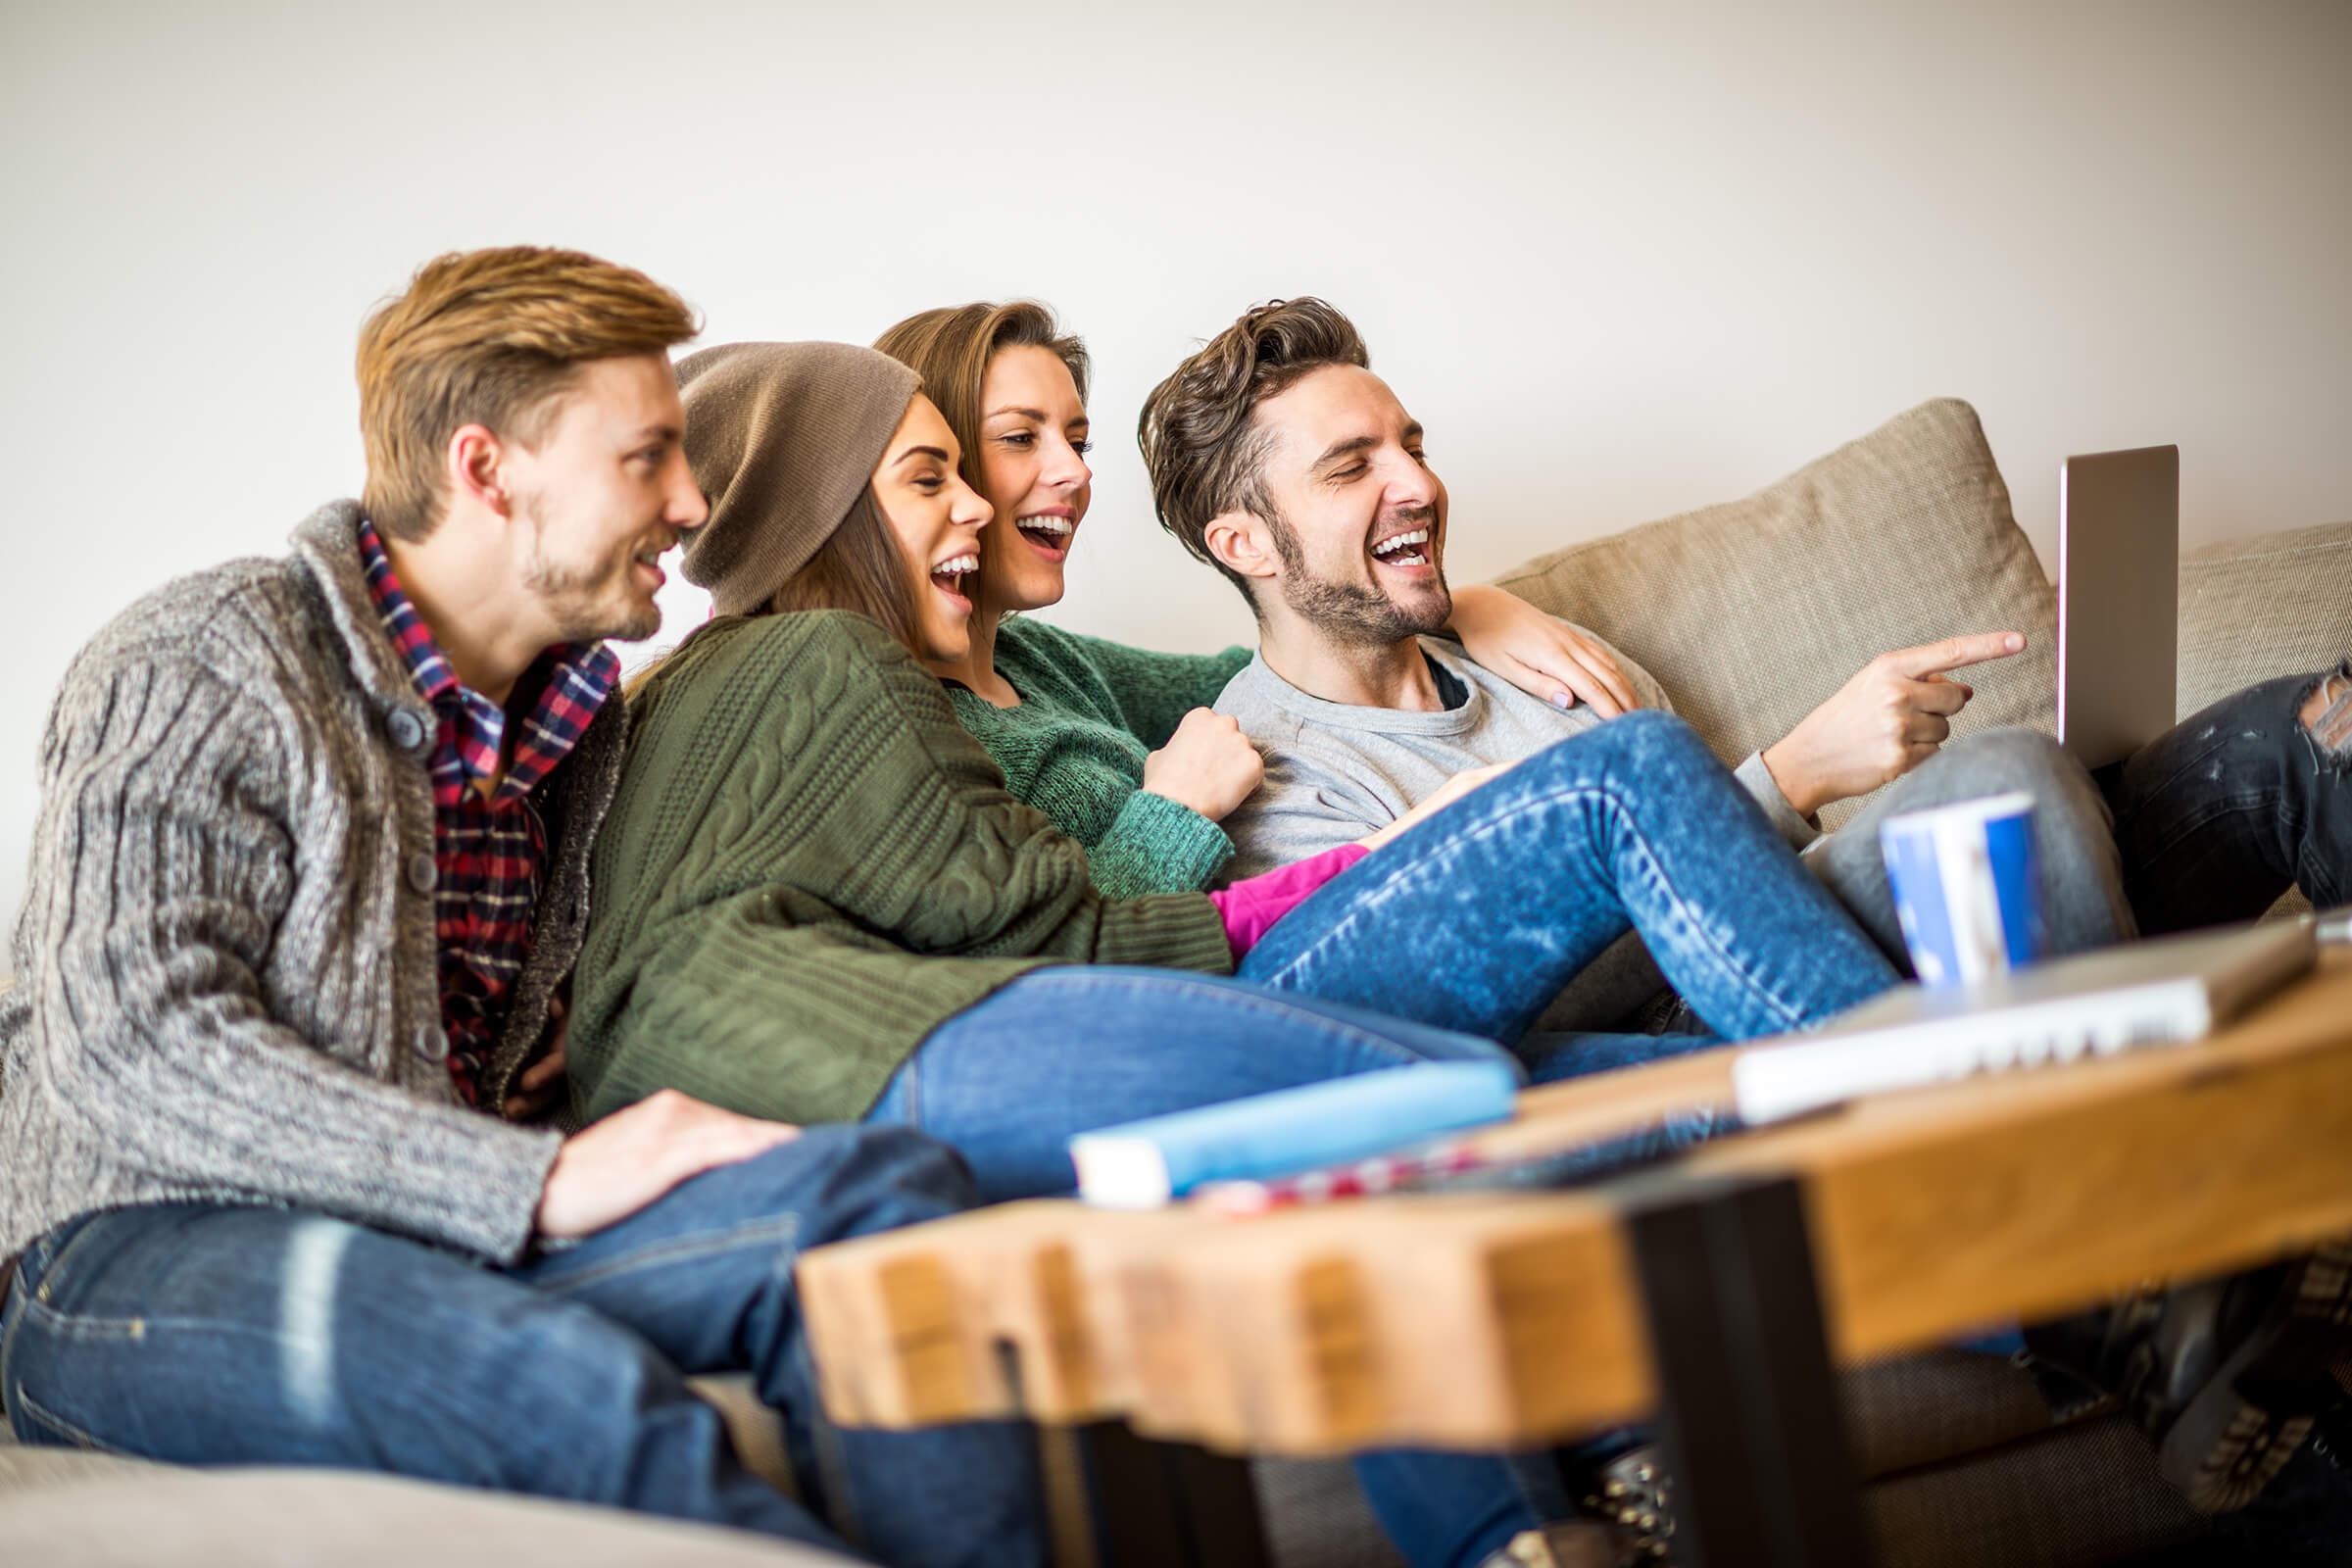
<point x="1478" y="917"/>
<point x="208" y="1334"/>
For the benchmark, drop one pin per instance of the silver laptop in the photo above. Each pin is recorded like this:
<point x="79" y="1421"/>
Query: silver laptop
<point x="2119" y="600"/>
<point x="2167" y="991"/>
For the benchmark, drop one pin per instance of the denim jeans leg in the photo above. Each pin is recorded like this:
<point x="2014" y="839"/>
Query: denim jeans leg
<point x="1067" y="1049"/>
<point x="1476" y="918"/>
<point x="1556" y="1057"/>
<point x="2251" y="796"/>
<point x="2084" y="903"/>
<point x="204" y="1335"/>
<point x="705" y="1276"/>
<point x="1454" y="1511"/>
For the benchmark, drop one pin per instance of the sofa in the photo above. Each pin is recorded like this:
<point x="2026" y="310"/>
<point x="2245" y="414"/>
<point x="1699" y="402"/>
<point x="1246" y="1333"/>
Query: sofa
<point x="1749" y="614"/>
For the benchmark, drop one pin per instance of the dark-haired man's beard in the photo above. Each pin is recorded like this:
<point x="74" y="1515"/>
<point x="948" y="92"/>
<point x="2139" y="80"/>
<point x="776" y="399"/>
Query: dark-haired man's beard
<point x="587" y="604"/>
<point x="1355" y="613"/>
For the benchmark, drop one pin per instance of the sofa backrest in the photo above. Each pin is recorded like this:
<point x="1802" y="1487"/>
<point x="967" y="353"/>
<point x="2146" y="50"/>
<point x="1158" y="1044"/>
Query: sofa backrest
<point x="2280" y="604"/>
<point x="1754" y="612"/>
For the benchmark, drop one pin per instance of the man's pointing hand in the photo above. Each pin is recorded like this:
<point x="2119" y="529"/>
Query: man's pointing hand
<point x="1890" y="717"/>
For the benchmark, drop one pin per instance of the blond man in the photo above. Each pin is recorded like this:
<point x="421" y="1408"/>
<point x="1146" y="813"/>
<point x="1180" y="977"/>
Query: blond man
<point x="308" y="880"/>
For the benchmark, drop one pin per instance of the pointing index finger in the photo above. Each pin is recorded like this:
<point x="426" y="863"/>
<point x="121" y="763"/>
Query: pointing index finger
<point x="1954" y="652"/>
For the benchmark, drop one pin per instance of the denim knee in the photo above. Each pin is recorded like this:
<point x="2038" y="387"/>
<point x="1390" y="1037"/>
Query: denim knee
<point x="1655" y="730"/>
<point x="1647" y="736"/>
<point x="876" y="1177"/>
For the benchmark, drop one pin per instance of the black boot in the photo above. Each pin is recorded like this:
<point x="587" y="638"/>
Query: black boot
<point x="2225" y="1376"/>
<point x="1626" y="1520"/>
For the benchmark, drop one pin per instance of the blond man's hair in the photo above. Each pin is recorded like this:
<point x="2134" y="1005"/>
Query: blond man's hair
<point x="495" y="338"/>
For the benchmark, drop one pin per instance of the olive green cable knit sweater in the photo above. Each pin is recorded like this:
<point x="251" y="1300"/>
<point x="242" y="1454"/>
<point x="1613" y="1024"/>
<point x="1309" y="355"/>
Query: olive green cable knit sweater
<point x="808" y="866"/>
<point x="1090" y="711"/>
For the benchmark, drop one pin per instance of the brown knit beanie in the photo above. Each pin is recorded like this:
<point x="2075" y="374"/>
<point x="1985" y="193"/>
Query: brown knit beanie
<point x="782" y="437"/>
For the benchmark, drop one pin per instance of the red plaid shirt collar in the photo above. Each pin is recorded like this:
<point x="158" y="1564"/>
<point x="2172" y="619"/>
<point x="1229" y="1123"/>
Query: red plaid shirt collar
<point x="574" y="680"/>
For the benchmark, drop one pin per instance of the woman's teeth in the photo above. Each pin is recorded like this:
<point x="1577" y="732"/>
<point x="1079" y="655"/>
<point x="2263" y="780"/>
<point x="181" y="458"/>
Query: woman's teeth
<point x="1403" y="550"/>
<point x="1050" y="531"/>
<point x="950" y="574"/>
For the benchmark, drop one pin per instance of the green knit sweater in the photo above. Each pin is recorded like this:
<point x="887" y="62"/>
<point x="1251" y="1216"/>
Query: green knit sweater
<point x="1090" y="711"/>
<point x="808" y="866"/>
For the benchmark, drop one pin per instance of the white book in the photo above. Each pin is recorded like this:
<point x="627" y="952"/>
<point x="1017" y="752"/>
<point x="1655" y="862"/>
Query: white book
<point x="2166" y="992"/>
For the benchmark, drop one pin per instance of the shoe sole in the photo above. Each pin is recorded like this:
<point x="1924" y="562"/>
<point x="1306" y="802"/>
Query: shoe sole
<point x="2233" y="1439"/>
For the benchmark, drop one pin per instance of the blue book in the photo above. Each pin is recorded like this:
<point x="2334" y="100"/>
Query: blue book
<point x="1142" y="1164"/>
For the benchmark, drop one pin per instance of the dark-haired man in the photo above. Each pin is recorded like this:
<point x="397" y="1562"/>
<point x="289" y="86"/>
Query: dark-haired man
<point x="309" y="872"/>
<point x="1279" y="458"/>
<point x="1328" y="518"/>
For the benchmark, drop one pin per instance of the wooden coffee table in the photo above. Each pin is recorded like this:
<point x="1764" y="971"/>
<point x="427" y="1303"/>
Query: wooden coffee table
<point x="1725" y="1283"/>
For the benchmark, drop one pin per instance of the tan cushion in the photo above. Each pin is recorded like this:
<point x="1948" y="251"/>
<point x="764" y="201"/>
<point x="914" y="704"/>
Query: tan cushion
<point x="2280" y="604"/>
<point x="1751" y="613"/>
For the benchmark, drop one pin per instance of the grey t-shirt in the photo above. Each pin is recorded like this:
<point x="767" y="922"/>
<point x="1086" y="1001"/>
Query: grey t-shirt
<point x="1336" y="772"/>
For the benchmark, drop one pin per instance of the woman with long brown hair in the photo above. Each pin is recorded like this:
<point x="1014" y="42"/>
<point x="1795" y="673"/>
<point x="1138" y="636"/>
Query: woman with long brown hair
<point x="1116" y="744"/>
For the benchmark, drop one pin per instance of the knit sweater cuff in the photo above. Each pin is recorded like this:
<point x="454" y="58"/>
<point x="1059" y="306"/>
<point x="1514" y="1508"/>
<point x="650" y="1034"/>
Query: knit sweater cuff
<point x="1757" y="780"/>
<point x="1169" y="846"/>
<point x="1165" y="931"/>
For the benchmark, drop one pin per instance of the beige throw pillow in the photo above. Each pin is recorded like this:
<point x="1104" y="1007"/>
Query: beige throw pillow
<point x="1751" y="613"/>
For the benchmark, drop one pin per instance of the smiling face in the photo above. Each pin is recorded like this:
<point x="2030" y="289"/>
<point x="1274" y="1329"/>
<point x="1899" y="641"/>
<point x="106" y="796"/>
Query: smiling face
<point x="602" y="493"/>
<point x="1032" y="466"/>
<point x="1358" y="519"/>
<point x="937" y="521"/>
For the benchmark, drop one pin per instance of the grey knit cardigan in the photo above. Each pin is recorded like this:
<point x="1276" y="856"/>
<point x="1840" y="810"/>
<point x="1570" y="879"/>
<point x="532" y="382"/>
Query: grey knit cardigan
<point x="225" y="968"/>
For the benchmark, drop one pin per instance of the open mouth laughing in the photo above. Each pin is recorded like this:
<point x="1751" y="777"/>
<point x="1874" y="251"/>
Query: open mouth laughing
<point x="1047" y="532"/>
<point x="951" y="575"/>
<point x="647" y="561"/>
<point x="1409" y="548"/>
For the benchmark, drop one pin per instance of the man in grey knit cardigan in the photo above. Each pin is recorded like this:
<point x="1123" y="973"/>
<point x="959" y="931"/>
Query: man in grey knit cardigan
<point x="309" y="876"/>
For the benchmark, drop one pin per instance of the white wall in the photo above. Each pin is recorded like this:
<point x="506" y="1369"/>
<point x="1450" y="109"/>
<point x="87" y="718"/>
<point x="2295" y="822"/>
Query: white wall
<point x="1622" y="260"/>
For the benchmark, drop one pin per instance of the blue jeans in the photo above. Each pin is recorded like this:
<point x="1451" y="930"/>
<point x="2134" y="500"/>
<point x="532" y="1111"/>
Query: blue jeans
<point x="1066" y="1050"/>
<point x="1476" y="918"/>
<point x="208" y="1334"/>
<point x="1454" y="937"/>
<point x="1465" y="927"/>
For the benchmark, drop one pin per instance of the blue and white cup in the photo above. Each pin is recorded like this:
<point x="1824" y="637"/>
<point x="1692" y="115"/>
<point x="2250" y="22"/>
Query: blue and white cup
<point x="1967" y="888"/>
